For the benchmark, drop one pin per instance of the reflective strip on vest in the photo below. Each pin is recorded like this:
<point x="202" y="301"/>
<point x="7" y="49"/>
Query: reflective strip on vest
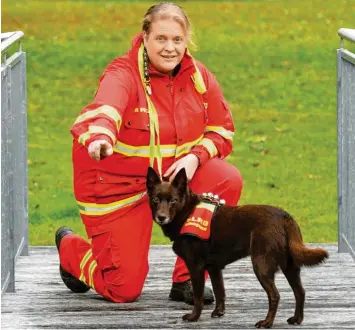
<point x="83" y="137"/>
<point x="104" y="109"/>
<point x="84" y="261"/>
<point x="210" y="146"/>
<point x="208" y="206"/>
<point x="185" y="148"/>
<point x="221" y="131"/>
<point x="198" y="79"/>
<point x="154" y="140"/>
<point x="104" y="130"/>
<point x="94" y="130"/>
<point x="92" y="268"/>
<point x="100" y="209"/>
<point x="167" y="150"/>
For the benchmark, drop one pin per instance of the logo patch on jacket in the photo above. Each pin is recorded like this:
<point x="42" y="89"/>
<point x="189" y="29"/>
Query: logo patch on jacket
<point x="199" y="222"/>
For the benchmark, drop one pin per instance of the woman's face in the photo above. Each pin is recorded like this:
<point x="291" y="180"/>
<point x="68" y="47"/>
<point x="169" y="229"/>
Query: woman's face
<point x="165" y="44"/>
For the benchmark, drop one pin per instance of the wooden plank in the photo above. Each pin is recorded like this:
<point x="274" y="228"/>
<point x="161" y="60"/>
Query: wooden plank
<point x="42" y="301"/>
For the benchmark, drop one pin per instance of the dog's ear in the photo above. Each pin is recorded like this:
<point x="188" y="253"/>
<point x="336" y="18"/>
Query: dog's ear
<point x="180" y="180"/>
<point x="152" y="179"/>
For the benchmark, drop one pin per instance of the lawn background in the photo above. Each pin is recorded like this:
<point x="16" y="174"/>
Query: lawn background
<point x="275" y="61"/>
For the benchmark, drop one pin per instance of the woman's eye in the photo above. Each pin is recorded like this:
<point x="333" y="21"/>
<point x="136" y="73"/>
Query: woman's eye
<point x="156" y="200"/>
<point x="160" y="38"/>
<point x="178" y="39"/>
<point x="173" y="201"/>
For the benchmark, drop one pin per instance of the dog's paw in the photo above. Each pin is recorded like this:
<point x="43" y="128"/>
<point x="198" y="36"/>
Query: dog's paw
<point x="264" y="324"/>
<point x="295" y="320"/>
<point x="190" y="317"/>
<point x="217" y="313"/>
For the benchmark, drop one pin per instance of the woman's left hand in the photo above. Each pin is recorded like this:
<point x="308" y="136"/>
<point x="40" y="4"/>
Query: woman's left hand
<point x="190" y="162"/>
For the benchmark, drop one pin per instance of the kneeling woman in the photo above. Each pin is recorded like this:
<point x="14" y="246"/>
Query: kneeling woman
<point x="154" y="106"/>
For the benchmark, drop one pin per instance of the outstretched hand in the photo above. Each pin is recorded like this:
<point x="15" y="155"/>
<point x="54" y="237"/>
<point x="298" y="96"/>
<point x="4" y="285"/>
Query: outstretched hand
<point x="99" y="149"/>
<point x="190" y="162"/>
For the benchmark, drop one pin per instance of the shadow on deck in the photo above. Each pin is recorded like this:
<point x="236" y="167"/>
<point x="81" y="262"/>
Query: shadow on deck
<point x="42" y="301"/>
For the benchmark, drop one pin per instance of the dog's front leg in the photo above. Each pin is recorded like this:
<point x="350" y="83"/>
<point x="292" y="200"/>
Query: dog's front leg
<point x="218" y="290"/>
<point x="198" y="285"/>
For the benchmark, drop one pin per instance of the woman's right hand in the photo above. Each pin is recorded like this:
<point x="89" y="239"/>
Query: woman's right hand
<point x="100" y="148"/>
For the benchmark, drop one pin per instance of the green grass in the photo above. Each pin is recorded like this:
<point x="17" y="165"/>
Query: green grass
<point x="275" y="61"/>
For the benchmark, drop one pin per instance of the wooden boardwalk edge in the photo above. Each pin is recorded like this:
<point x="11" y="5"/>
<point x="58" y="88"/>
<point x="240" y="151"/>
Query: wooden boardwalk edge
<point x="42" y="301"/>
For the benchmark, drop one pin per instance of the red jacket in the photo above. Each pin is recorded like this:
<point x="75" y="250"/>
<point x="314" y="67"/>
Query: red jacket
<point x="119" y="115"/>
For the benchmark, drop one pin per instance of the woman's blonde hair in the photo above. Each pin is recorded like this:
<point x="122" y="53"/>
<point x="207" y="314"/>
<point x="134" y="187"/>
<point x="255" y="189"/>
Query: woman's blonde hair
<point x="164" y="10"/>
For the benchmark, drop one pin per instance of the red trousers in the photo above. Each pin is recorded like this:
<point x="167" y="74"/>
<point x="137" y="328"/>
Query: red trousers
<point x="115" y="264"/>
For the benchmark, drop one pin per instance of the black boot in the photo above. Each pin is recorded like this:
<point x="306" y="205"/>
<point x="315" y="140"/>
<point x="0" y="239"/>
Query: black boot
<point x="183" y="292"/>
<point x="69" y="280"/>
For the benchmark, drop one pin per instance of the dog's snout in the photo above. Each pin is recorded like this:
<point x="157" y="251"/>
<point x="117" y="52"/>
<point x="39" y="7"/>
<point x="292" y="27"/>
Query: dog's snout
<point x="161" y="218"/>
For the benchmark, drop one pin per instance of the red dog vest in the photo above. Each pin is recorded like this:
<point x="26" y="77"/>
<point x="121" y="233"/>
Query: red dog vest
<point x="199" y="222"/>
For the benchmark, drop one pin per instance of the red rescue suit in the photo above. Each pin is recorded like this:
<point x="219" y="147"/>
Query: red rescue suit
<point x="111" y="193"/>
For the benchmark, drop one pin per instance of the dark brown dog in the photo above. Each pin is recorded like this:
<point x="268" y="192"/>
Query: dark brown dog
<point x="268" y="234"/>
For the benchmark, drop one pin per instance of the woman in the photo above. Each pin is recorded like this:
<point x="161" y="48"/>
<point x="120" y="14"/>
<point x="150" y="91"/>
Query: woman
<point x="154" y="106"/>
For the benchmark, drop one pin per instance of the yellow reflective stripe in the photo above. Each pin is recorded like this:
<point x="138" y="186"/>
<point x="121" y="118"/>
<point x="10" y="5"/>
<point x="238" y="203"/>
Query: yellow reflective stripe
<point x="198" y="81"/>
<point x="85" y="259"/>
<point x="83" y="137"/>
<point x="209" y="145"/>
<point x="197" y="78"/>
<point x="96" y="129"/>
<point x="103" y="130"/>
<point x="100" y="209"/>
<point x="221" y="131"/>
<point x="154" y="144"/>
<point x="207" y="206"/>
<point x="154" y="140"/>
<point x="185" y="148"/>
<point x="104" y="109"/>
<point x="167" y="150"/>
<point x="82" y="278"/>
<point x="92" y="268"/>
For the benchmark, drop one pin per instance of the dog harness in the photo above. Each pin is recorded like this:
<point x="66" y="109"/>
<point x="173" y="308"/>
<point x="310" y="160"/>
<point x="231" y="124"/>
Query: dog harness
<point x="199" y="222"/>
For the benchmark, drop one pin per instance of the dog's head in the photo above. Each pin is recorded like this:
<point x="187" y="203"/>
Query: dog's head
<point x="166" y="199"/>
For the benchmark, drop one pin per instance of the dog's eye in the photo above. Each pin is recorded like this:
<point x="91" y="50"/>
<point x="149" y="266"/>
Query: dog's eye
<point x="173" y="201"/>
<point x="156" y="200"/>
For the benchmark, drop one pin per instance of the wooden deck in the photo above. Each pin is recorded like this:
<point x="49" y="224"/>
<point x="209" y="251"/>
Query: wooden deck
<point x="42" y="301"/>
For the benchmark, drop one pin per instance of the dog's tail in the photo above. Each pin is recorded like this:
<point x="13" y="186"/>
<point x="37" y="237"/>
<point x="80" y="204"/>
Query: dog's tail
<point x="301" y="254"/>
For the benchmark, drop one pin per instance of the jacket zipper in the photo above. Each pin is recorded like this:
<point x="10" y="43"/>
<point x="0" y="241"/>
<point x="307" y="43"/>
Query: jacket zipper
<point x="170" y="84"/>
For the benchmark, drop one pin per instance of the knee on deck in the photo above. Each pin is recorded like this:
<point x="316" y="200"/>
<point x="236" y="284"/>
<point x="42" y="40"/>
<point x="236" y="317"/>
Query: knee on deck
<point x="124" y="287"/>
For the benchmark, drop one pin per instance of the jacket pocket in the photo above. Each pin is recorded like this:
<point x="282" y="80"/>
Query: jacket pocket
<point x="137" y="119"/>
<point x="110" y="184"/>
<point x="107" y="257"/>
<point x="103" y="253"/>
<point x="194" y="113"/>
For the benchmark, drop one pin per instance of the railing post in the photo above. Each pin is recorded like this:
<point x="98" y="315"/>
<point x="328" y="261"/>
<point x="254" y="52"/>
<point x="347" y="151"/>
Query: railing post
<point x="23" y="148"/>
<point x="14" y="186"/>
<point x="346" y="144"/>
<point x="7" y="210"/>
